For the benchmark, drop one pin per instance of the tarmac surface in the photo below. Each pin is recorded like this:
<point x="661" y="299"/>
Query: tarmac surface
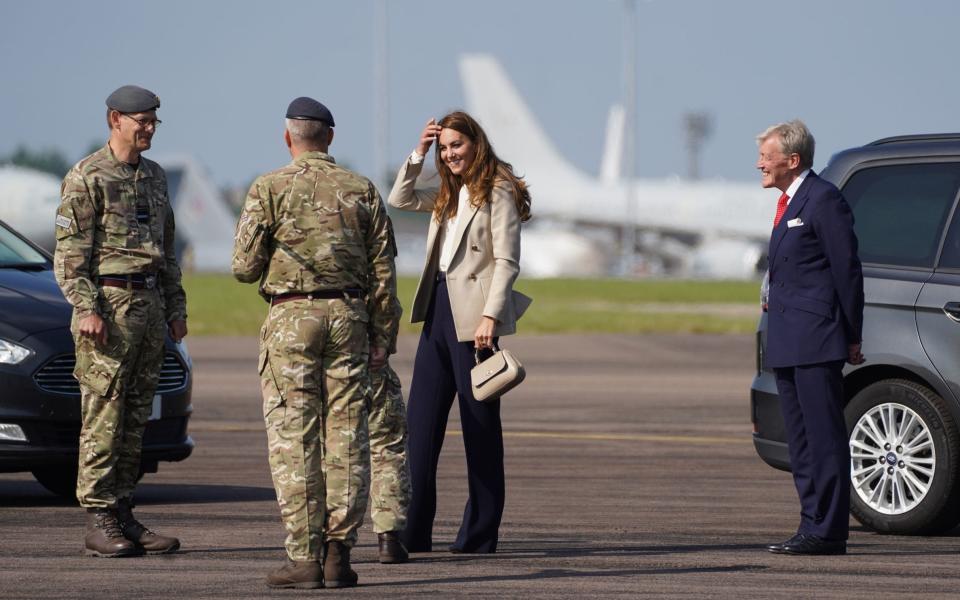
<point x="630" y="473"/>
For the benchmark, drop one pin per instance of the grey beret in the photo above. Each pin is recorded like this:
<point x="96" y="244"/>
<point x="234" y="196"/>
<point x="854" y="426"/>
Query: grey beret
<point x="310" y="110"/>
<point x="133" y="99"/>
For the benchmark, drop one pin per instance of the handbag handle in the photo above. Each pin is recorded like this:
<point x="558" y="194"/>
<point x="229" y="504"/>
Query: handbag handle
<point x="476" y="352"/>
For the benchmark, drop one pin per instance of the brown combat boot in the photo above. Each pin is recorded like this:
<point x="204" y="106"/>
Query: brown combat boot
<point x="104" y="537"/>
<point x="391" y="548"/>
<point x="134" y="531"/>
<point x="336" y="566"/>
<point x="306" y="575"/>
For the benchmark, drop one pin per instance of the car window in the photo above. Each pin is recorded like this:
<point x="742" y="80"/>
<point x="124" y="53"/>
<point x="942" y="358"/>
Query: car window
<point x="900" y="211"/>
<point x="15" y="252"/>
<point x="950" y="257"/>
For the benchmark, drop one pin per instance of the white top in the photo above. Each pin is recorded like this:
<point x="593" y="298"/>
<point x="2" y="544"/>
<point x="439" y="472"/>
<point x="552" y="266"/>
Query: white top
<point x="450" y="230"/>
<point x="792" y="190"/>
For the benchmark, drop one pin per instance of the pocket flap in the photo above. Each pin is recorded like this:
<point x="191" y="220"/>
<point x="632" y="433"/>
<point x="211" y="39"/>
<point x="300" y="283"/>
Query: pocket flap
<point x="810" y="305"/>
<point x="97" y="372"/>
<point x="488" y="369"/>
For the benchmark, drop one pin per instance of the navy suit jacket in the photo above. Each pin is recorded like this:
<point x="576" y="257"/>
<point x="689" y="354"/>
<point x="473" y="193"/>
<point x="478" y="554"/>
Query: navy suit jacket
<point x="815" y="302"/>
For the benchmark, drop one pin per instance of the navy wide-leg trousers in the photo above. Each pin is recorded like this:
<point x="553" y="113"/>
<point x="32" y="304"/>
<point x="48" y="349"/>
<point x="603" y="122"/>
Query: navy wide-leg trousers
<point x="441" y="371"/>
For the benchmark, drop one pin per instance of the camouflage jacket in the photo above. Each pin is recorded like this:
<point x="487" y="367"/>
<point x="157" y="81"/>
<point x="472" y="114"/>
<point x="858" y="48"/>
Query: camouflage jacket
<point x="314" y="225"/>
<point x="115" y="219"/>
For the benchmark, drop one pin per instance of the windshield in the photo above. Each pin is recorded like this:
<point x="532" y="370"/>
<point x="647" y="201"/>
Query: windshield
<point x="15" y="252"/>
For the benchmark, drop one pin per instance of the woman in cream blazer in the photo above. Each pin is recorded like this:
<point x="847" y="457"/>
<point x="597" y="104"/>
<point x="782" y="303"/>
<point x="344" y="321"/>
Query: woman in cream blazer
<point x="466" y="300"/>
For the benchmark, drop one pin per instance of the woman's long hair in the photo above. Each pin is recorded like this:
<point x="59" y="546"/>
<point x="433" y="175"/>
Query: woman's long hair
<point x="481" y="175"/>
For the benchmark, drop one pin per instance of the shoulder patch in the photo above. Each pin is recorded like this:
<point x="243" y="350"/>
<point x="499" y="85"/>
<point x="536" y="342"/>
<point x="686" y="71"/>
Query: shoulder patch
<point x="64" y="222"/>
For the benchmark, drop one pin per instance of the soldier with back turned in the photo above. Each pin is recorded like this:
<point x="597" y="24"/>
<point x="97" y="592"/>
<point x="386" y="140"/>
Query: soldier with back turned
<point x="316" y="237"/>
<point x="115" y="264"/>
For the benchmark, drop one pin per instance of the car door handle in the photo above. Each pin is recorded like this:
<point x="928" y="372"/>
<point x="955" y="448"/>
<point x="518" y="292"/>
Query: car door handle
<point x="952" y="310"/>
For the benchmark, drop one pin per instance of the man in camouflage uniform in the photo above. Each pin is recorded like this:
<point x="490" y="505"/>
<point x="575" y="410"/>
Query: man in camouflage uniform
<point x="115" y="264"/>
<point x="390" y="477"/>
<point x="317" y="238"/>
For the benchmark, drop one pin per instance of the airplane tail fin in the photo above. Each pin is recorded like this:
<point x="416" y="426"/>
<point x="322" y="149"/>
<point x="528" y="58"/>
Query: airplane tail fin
<point x="204" y="221"/>
<point x="513" y="130"/>
<point x="613" y="148"/>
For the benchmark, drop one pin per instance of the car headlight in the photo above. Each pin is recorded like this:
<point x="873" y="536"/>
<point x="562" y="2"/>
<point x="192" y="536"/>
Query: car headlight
<point x="184" y="353"/>
<point x="11" y="354"/>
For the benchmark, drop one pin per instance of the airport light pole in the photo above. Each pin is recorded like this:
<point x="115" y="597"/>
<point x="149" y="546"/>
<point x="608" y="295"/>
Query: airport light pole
<point x="698" y="125"/>
<point x="381" y="104"/>
<point x="628" y="241"/>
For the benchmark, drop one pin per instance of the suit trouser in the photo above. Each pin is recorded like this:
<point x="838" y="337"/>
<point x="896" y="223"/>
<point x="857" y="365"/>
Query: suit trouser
<point x="811" y="399"/>
<point x="441" y="370"/>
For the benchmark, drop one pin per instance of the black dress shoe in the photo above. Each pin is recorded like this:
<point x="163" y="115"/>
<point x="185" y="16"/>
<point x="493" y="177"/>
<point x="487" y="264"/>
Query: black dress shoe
<point x="778" y="548"/>
<point x="812" y="545"/>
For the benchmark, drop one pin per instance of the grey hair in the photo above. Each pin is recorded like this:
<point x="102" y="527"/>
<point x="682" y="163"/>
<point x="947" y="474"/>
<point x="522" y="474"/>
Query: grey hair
<point x="795" y="138"/>
<point x="308" y="132"/>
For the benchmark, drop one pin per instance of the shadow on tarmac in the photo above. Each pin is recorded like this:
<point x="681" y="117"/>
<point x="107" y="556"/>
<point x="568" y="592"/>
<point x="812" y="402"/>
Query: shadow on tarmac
<point x="562" y="573"/>
<point x="20" y="493"/>
<point x="570" y="549"/>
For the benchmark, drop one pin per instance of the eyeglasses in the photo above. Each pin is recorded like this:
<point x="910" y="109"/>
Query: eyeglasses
<point x="144" y="123"/>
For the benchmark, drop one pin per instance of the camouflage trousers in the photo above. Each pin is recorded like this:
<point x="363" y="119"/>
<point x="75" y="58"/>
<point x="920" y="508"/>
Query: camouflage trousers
<point x="117" y="383"/>
<point x="316" y="389"/>
<point x="390" y="476"/>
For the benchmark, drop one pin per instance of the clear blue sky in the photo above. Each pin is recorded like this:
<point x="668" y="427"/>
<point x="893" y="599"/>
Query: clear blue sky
<point x="855" y="70"/>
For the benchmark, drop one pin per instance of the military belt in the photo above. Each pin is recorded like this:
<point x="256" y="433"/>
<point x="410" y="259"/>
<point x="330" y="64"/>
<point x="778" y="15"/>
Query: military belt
<point x="317" y="295"/>
<point x="136" y="281"/>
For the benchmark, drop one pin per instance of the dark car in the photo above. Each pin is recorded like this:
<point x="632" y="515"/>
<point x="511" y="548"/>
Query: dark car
<point x="903" y="404"/>
<point x="39" y="397"/>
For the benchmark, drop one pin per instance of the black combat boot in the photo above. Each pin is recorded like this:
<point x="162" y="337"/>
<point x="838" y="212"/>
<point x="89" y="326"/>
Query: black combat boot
<point x="134" y="531"/>
<point x="336" y="566"/>
<point x="104" y="537"/>
<point x="391" y="548"/>
<point x="307" y="575"/>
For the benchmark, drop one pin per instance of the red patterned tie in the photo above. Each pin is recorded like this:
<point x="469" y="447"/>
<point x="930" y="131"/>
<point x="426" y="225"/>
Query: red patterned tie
<point x="781" y="208"/>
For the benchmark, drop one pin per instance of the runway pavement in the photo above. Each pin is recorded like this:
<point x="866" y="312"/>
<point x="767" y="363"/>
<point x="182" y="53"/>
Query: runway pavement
<point x="630" y="473"/>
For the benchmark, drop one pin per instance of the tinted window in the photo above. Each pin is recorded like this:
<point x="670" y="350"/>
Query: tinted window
<point x="900" y="211"/>
<point x="950" y="257"/>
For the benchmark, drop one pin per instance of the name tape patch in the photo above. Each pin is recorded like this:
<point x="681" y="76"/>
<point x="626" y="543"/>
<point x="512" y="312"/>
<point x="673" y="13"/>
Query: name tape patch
<point x="64" y="222"/>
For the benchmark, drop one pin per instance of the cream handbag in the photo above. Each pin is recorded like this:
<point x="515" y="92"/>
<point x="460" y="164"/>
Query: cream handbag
<point x="496" y="375"/>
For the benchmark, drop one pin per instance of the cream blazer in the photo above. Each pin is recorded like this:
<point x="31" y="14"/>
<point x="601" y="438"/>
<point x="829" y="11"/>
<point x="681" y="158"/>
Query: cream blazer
<point x="485" y="261"/>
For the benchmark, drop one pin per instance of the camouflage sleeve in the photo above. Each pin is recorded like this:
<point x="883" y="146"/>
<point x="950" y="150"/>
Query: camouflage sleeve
<point x="74" y="229"/>
<point x="382" y="303"/>
<point x="170" y="277"/>
<point x="250" y="246"/>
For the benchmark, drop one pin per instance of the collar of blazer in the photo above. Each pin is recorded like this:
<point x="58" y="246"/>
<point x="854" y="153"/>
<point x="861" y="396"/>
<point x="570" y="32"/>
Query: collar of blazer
<point x="793" y="209"/>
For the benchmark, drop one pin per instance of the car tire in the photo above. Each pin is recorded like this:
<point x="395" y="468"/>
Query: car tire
<point x="905" y="454"/>
<point x="60" y="480"/>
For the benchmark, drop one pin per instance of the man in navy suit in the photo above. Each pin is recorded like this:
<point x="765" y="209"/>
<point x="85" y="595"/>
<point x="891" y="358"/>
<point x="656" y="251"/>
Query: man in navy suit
<point x="814" y="324"/>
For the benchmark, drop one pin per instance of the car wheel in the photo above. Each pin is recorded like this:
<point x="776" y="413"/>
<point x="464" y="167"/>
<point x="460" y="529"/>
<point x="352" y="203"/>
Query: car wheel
<point x="904" y="454"/>
<point x="61" y="480"/>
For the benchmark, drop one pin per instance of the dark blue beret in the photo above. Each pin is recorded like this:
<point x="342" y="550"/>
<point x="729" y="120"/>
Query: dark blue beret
<point x="133" y="99"/>
<point x="310" y="110"/>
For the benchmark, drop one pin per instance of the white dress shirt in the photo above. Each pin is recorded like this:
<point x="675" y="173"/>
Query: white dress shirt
<point x="792" y="190"/>
<point x="450" y="229"/>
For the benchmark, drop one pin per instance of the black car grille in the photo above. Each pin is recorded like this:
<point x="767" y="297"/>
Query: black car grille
<point x="67" y="434"/>
<point x="57" y="375"/>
